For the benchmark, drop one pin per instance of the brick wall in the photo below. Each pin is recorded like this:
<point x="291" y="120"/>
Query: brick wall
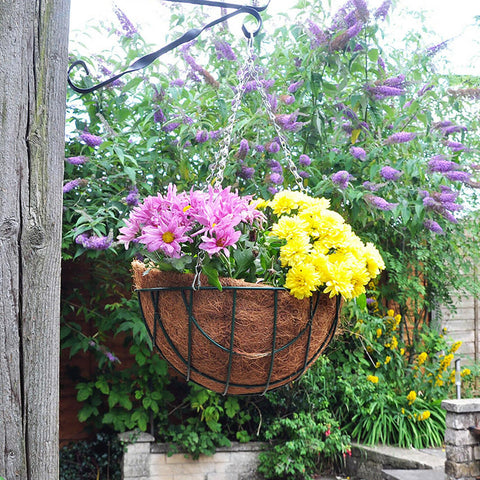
<point x="146" y="460"/>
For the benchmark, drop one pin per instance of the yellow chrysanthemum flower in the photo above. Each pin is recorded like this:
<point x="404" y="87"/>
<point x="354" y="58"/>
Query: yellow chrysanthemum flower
<point x="295" y="251"/>
<point x="411" y="397"/>
<point x="372" y="378"/>
<point x="339" y="281"/>
<point x="302" y="280"/>
<point x="290" y="227"/>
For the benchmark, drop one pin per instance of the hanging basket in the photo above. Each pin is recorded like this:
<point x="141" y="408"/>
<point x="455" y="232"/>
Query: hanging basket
<point x="245" y="339"/>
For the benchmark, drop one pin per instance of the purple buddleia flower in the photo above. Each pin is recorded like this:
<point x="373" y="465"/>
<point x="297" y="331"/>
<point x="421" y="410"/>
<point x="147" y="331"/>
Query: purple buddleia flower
<point x="380" y="203"/>
<point x="188" y="120"/>
<point x="250" y="86"/>
<point x="433" y="226"/>
<point x="450" y="217"/>
<point x="71" y="185"/>
<point x="287" y="99"/>
<point x="201" y="136"/>
<point x="457" y="176"/>
<point x="91" y="140"/>
<point x="178" y="82"/>
<point x="224" y="51"/>
<point x="400" y="137"/>
<point x="215" y="134"/>
<point x="111" y="357"/>
<point x="358" y="152"/>
<point x="268" y="84"/>
<point x="159" y="116"/>
<point x="289" y="122"/>
<point x="433" y="50"/>
<point x="317" y="36"/>
<point x="77" y="160"/>
<point x="354" y="30"/>
<point x="425" y="89"/>
<point x="347" y="127"/>
<point x="272" y="189"/>
<point x="243" y="149"/>
<point x="381" y="64"/>
<point x="397" y="81"/>
<point x="259" y="148"/>
<point x="247" y="172"/>
<point x="170" y="127"/>
<point x="456" y="146"/>
<point x="293" y="87"/>
<point x="273" y="101"/>
<point x="439" y="163"/>
<point x="132" y="198"/>
<point x="93" y="242"/>
<point x="272" y="147"/>
<point x="382" y="11"/>
<point x="304" y="160"/>
<point x="442" y="124"/>
<point x="275" y="166"/>
<point x="303" y="174"/>
<point x="361" y="10"/>
<point x="453" y="129"/>
<point x="389" y="173"/>
<point x="385" y="91"/>
<point x="276" y="178"/>
<point x="128" y="28"/>
<point x="341" y="179"/>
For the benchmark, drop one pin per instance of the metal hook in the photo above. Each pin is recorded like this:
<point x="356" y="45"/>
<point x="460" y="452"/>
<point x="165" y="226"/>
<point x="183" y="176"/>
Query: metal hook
<point x="146" y="60"/>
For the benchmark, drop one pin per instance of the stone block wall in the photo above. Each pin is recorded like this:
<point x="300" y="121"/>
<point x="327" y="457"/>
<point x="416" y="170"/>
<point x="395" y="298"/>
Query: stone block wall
<point x="462" y="447"/>
<point x="146" y="460"/>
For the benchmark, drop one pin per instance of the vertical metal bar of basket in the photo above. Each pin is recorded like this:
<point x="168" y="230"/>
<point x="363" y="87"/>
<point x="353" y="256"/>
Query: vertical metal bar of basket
<point x="232" y="338"/>
<point x="156" y="316"/>
<point x="274" y="340"/>
<point x="190" y="320"/>
<point x="313" y="310"/>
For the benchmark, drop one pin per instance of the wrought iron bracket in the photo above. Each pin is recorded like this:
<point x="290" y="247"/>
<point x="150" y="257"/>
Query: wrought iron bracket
<point x="190" y="35"/>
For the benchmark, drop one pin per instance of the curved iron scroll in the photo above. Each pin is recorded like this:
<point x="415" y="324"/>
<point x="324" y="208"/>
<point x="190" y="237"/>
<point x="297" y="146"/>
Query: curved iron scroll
<point x="146" y="60"/>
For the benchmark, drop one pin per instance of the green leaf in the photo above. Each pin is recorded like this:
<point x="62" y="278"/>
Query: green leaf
<point x="212" y="275"/>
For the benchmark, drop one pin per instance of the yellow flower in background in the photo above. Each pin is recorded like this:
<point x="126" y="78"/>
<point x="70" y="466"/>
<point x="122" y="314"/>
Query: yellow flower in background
<point x="394" y="343"/>
<point x="398" y="319"/>
<point x="445" y="363"/>
<point x="465" y="372"/>
<point x="379" y="332"/>
<point x="452" y="376"/>
<point x="402" y="352"/>
<point x="422" y="357"/>
<point x="378" y="365"/>
<point x="372" y="378"/>
<point x="403" y="411"/>
<point x="390" y="313"/>
<point x="455" y="346"/>
<point x="411" y="397"/>
<point x="387" y="359"/>
<point x="423" y="416"/>
<point x="439" y="382"/>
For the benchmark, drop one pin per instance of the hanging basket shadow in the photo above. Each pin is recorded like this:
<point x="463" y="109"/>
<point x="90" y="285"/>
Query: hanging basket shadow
<point x="245" y="339"/>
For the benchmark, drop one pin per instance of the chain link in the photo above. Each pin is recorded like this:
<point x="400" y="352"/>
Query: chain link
<point x="283" y="141"/>
<point x="217" y="168"/>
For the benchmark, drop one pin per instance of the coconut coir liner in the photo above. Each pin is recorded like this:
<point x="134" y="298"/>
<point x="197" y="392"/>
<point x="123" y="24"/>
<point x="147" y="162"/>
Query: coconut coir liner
<point x="253" y="331"/>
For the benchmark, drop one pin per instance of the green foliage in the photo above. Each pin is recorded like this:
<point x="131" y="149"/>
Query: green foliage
<point x="92" y="459"/>
<point x="391" y="392"/>
<point x="149" y="125"/>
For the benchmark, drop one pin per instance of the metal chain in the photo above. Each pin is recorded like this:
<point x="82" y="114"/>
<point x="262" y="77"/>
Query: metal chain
<point x="221" y="156"/>
<point x="283" y="141"/>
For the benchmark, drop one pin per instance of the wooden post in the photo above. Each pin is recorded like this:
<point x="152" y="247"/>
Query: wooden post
<point x="33" y="62"/>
